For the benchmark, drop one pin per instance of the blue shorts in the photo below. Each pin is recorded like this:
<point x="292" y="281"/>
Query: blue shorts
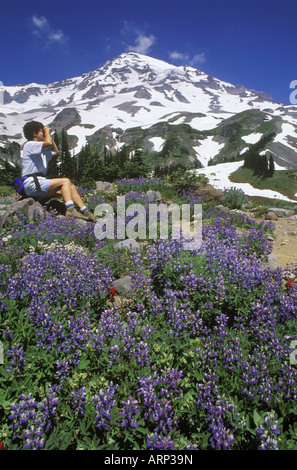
<point x="31" y="190"/>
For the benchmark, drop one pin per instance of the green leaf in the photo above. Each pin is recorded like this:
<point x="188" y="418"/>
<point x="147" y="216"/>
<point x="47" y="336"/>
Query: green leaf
<point x="84" y="364"/>
<point x="258" y="420"/>
<point x="142" y="430"/>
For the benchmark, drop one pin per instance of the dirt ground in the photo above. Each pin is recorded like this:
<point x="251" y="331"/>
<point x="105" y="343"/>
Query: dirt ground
<point x="285" y="241"/>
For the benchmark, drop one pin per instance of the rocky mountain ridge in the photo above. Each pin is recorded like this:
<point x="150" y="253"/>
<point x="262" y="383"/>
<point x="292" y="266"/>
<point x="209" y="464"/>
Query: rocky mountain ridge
<point x="136" y="98"/>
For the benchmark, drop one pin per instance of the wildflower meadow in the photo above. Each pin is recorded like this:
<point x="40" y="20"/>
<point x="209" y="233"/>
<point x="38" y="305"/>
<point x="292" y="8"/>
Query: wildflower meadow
<point x="199" y="354"/>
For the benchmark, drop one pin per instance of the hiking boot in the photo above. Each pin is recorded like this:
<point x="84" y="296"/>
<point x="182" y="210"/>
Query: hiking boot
<point x="72" y="212"/>
<point x="90" y="216"/>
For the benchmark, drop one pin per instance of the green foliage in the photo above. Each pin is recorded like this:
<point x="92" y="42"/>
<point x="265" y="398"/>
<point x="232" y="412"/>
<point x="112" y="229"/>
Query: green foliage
<point x="234" y="198"/>
<point x="53" y="165"/>
<point x="253" y="160"/>
<point x="126" y="163"/>
<point x="271" y="166"/>
<point x="67" y="168"/>
<point x="5" y="189"/>
<point x="201" y="315"/>
<point x="135" y="167"/>
<point x="163" y="169"/>
<point x="282" y="181"/>
<point x="8" y="172"/>
<point x="185" y="180"/>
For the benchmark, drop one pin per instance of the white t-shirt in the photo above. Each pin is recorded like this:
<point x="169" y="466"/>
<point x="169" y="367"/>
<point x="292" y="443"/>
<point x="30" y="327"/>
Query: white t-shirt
<point x="34" y="159"/>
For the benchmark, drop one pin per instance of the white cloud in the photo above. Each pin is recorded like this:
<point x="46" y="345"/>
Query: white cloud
<point x="197" y="59"/>
<point x="41" y="23"/>
<point x="57" y="36"/>
<point x="137" y="39"/>
<point x="179" y="56"/>
<point x="43" y="30"/>
<point x="142" y="43"/>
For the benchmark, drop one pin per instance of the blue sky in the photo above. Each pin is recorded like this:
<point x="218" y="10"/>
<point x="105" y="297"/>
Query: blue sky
<point x="253" y="43"/>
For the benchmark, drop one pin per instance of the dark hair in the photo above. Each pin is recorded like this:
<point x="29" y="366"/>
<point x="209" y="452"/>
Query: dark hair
<point x="30" y="128"/>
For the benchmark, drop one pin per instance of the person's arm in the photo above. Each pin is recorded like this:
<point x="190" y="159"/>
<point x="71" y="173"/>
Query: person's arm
<point x="55" y="149"/>
<point x="49" y="142"/>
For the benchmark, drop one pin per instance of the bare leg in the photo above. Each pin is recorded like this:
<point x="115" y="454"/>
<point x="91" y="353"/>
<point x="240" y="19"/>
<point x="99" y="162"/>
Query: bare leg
<point x="63" y="187"/>
<point x="76" y="197"/>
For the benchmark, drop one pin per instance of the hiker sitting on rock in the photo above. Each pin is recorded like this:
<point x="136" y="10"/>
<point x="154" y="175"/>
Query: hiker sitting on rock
<point x="37" y="152"/>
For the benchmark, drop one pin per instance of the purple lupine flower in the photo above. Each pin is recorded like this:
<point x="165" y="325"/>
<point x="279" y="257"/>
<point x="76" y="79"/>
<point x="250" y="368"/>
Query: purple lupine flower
<point x="268" y="432"/>
<point x="221" y="436"/>
<point x="62" y="369"/>
<point x="17" y="361"/>
<point x="105" y="403"/>
<point x="48" y="407"/>
<point x="141" y="353"/>
<point x="158" y="410"/>
<point x="159" y="442"/>
<point x="129" y="411"/>
<point x="78" y="400"/>
<point x="114" y="354"/>
<point x="30" y="419"/>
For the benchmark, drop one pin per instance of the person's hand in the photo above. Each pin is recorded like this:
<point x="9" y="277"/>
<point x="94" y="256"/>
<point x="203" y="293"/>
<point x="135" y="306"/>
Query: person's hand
<point x="47" y="138"/>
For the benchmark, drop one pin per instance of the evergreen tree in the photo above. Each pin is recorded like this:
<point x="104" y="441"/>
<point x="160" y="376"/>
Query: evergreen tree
<point x="67" y="162"/>
<point x="53" y="165"/>
<point x="271" y="167"/>
<point x="251" y="159"/>
<point x="261" y="166"/>
<point x="56" y="139"/>
<point x="122" y="156"/>
<point x="251" y="156"/>
<point x="82" y="161"/>
<point x="107" y="156"/>
<point x="135" y="167"/>
<point x="110" y="172"/>
<point x="92" y="170"/>
<point x="9" y="171"/>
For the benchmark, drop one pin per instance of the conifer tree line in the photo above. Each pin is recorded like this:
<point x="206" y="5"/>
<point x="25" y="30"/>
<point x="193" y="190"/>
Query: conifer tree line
<point x="262" y="165"/>
<point x="90" y="165"/>
<point x="9" y="170"/>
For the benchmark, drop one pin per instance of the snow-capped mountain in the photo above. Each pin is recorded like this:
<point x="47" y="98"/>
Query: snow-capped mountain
<point x="136" y="95"/>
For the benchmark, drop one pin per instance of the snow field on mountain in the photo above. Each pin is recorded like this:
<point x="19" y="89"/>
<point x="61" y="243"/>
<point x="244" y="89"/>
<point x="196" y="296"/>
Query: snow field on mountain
<point x="207" y="122"/>
<point x="158" y="143"/>
<point x="252" y="138"/>
<point x="287" y="131"/>
<point x="81" y="133"/>
<point x="207" y="150"/>
<point x="218" y="176"/>
<point x="134" y="90"/>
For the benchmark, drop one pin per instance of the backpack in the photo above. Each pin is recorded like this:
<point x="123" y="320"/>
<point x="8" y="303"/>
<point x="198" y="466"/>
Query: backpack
<point x="18" y="184"/>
